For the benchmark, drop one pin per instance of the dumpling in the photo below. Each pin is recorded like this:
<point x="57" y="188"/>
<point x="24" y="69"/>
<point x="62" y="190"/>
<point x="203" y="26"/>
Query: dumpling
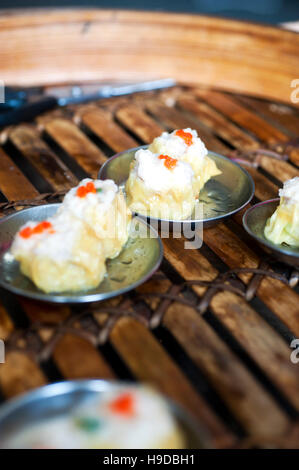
<point x="185" y="145"/>
<point x="68" y="251"/>
<point x="102" y="206"/>
<point x="160" y="186"/>
<point x="283" y="225"/>
<point x="123" y="417"/>
<point x="60" y="254"/>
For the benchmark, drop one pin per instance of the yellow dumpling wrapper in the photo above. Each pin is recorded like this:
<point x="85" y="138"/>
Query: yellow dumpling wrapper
<point x="105" y="212"/>
<point x="283" y="225"/>
<point x="66" y="260"/>
<point x="154" y="190"/>
<point x="173" y="205"/>
<point x="68" y="251"/>
<point x="204" y="169"/>
<point x="194" y="153"/>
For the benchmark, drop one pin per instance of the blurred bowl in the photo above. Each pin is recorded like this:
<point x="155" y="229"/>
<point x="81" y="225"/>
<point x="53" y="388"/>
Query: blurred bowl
<point x="53" y="400"/>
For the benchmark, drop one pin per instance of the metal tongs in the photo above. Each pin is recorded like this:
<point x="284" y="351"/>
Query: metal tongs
<point x="25" y="104"/>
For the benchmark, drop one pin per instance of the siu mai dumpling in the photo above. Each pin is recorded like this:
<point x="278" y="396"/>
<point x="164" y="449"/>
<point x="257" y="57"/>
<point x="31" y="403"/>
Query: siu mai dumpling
<point x="185" y="145"/>
<point x="283" y="225"/>
<point x="60" y="254"/>
<point x="102" y="207"/>
<point x="160" y="186"/>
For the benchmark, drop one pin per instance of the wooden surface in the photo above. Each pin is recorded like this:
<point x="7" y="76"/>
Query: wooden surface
<point x="70" y="46"/>
<point x="226" y="361"/>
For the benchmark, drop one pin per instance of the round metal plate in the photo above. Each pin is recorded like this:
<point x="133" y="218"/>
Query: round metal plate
<point x="139" y="259"/>
<point x="221" y="196"/>
<point x="254" y="221"/>
<point x="60" y="398"/>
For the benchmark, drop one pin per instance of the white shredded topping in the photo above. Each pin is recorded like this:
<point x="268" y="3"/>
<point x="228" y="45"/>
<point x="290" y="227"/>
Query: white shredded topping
<point x="156" y="176"/>
<point x="290" y="191"/>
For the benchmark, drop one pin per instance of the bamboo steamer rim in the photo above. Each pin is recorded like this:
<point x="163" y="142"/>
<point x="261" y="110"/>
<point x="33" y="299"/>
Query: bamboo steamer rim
<point x="57" y="46"/>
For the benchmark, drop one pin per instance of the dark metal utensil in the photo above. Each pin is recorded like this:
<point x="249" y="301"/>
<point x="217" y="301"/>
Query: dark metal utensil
<point x="29" y="110"/>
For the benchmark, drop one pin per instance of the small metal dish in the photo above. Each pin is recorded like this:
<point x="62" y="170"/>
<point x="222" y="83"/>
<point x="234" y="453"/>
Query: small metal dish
<point x="137" y="262"/>
<point x="254" y="221"/>
<point x="60" y="398"/>
<point x="222" y="196"/>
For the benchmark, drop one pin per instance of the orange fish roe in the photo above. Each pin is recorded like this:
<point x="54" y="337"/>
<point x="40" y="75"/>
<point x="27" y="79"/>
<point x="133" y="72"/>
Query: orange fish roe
<point x="91" y="187"/>
<point x="169" y="162"/>
<point x="39" y="228"/>
<point x="26" y="232"/>
<point x="123" y="405"/>
<point x="186" y="136"/>
<point x="82" y="191"/>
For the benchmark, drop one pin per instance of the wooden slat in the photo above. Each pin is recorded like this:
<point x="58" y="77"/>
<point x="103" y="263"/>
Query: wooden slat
<point x="11" y="179"/>
<point x="221" y="126"/>
<point x="173" y="119"/>
<point x="247" y="119"/>
<point x="281" y="170"/>
<point x="254" y="409"/>
<point x="44" y="312"/>
<point x="264" y="188"/>
<point x="26" y="139"/>
<point x="19" y="374"/>
<point x="76" y="144"/>
<point x="254" y="334"/>
<point x="134" y="119"/>
<point x="281" y="299"/>
<point x="242" y="116"/>
<point x="6" y="324"/>
<point x="151" y="363"/>
<point x="77" y="359"/>
<point x="101" y="123"/>
<point x="216" y="122"/>
<point x="280" y="115"/>
<point x="236" y="386"/>
<point x="154" y="284"/>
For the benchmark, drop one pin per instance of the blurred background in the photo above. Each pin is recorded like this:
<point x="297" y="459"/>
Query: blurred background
<point x="267" y="11"/>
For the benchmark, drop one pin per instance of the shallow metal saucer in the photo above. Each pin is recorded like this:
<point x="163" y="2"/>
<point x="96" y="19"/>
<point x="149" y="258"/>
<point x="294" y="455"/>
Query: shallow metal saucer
<point x="254" y="221"/>
<point x="60" y="398"/>
<point x="139" y="259"/>
<point x="222" y="196"/>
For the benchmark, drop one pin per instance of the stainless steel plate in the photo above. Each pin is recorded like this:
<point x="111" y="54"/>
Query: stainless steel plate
<point x="254" y="221"/>
<point x="221" y="196"/>
<point x="138" y="260"/>
<point x="60" y="398"/>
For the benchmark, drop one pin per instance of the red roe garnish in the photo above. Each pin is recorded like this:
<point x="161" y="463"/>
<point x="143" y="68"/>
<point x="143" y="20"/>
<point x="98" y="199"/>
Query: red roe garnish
<point x="123" y="405"/>
<point x="82" y="191"/>
<point x="91" y="187"/>
<point x="39" y="228"/>
<point x="26" y="232"/>
<point x="169" y="162"/>
<point x="186" y="136"/>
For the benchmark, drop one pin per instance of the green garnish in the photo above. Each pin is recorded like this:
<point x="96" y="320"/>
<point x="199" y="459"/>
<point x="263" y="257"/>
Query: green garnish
<point x="99" y="190"/>
<point x="88" y="424"/>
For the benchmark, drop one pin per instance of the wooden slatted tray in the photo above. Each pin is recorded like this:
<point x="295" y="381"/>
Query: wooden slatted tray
<point x="219" y="346"/>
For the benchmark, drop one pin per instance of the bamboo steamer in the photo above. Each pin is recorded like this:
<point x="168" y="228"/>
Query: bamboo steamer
<point x="55" y="46"/>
